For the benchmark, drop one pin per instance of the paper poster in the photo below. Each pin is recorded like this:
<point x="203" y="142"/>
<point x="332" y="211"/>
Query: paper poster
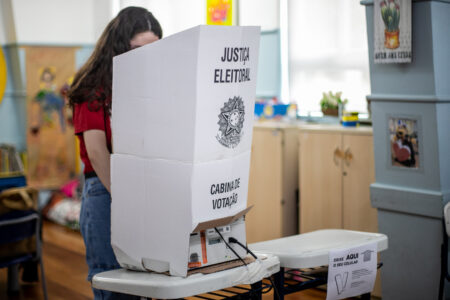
<point x="352" y="271"/>
<point x="50" y="135"/>
<point x="404" y="142"/>
<point x="3" y="75"/>
<point x="219" y="12"/>
<point x="392" y="31"/>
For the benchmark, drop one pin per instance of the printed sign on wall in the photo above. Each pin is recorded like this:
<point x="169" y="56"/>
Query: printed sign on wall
<point x="404" y="142"/>
<point x="392" y="31"/>
<point x="219" y="12"/>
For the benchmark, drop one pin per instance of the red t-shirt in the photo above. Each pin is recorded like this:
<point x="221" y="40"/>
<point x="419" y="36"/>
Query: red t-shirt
<point x="85" y="119"/>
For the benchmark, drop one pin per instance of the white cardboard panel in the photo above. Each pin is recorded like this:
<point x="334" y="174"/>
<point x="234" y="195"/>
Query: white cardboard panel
<point x="219" y="188"/>
<point x="126" y="223"/>
<point x="142" y="130"/>
<point x="213" y="96"/>
<point x="144" y="224"/>
<point x="147" y="90"/>
<point x="169" y="88"/>
<point x="157" y="203"/>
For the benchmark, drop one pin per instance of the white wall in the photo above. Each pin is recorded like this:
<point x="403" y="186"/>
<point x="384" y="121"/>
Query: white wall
<point x="2" y="25"/>
<point x="173" y="15"/>
<point x="56" y="21"/>
<point x="71" y="22"/>
<point x="178" y="15"/>
<point x="102" y="14"/>
<point x="7" y="28"/>
<point x="264" y="13"/>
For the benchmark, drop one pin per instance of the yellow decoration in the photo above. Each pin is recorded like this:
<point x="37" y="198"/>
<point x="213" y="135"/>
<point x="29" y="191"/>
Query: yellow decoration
<point x="350" y="118"/>
<point x="219" y="12"/>
<point x="268" y="111"/>
<point x="2" y="74"/>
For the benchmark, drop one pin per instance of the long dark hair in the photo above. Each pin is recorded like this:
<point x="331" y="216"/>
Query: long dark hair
<point x="94" y="80"/>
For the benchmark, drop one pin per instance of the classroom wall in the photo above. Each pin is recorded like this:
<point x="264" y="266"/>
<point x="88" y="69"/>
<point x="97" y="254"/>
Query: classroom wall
<point x="2" y="25"/>
<point x="264" y="13"/>
<point x="41" y="23"/>
<point x="81" y="22"/>
<point x="12" y="107"/>
<point x="58" y="21"/>
<point x="173" y="15"/>
<point x="7" y="28"/>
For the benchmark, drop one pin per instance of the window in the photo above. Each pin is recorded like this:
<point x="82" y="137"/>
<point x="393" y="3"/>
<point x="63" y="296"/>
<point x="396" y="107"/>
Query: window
<point x="327" y="52"/>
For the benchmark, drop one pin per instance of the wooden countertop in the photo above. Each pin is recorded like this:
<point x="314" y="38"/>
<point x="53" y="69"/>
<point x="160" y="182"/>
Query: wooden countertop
<point x="313" y="127"/>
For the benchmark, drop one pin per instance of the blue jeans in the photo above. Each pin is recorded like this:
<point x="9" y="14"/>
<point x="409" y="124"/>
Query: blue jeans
<point x="95" y="225"/>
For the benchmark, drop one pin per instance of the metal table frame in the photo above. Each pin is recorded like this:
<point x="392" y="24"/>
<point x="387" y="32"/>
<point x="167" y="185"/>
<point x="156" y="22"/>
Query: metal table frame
<point x="286" y="283"/>
<point x="227" y="283"/>
<point x="296" y="260"/>
<point x="253" y="293"/>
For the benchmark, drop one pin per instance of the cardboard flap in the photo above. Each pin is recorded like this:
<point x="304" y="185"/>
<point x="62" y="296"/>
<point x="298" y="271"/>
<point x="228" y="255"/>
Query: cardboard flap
<point x="221" y="221"/>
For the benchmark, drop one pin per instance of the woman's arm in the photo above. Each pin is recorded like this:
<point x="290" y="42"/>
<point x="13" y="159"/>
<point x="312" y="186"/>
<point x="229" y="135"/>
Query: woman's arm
<point x="99" y="155"/>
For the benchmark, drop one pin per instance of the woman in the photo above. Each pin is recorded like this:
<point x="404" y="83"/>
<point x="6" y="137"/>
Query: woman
<point x="90" y="98"/>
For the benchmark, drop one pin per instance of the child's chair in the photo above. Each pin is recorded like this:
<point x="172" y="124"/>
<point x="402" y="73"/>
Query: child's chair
<point x="17" y="226"/>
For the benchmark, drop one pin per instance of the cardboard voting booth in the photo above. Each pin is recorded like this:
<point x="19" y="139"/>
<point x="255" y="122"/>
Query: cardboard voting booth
<point x="188" y="97"/>
<point x="182" y="124"/>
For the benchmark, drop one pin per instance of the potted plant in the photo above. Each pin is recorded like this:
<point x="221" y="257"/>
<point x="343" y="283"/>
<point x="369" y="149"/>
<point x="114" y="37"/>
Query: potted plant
<point x="330" y="103"/>
<point x="390" y="13"/>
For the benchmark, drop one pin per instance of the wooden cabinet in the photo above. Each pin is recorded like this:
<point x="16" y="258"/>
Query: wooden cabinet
<point x="320" y="181"/>
<point x="336" y="169"/>
<point x="273" y="183"/>
<point x="358" y="173"/>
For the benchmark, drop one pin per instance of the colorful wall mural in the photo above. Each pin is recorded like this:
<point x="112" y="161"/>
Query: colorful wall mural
<point x="51" y="142"/>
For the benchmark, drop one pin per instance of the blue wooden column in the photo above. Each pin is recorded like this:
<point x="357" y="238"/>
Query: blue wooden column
<point x="410" y="201"/>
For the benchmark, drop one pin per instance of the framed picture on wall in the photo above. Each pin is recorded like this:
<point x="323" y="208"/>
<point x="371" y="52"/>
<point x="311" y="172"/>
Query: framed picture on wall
<point x="392" y="31"/>
<point x="404" y="141"/>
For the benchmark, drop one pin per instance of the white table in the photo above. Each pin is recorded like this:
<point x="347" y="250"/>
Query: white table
<point x="310" y="250"/>
<point x="153" y="285"/>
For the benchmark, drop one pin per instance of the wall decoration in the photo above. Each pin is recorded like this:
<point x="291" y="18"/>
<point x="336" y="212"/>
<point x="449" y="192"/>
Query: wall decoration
<point x="3" y="74"/>
<point x="50" y="136"/>
<point x="404" y="142"/>
<point x="219" y="12"/>
<point x="392" y="31"/>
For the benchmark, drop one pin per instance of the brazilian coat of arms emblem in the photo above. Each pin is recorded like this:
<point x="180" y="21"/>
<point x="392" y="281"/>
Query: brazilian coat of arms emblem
<point x="231" y="121"/>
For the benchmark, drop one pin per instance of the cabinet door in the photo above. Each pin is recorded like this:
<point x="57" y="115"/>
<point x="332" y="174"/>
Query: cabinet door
<point x="359" y="173"/>
<point x="290" y="182"/>
<point x="320" y="181"/>
<point x="263" y="222"/>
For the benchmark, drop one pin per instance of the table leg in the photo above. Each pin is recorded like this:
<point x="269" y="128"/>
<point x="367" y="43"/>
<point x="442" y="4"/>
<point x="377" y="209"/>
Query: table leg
<point x="256" y="292"/>
<point x="278" y="289"/>
<point x="13" y="278"/>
